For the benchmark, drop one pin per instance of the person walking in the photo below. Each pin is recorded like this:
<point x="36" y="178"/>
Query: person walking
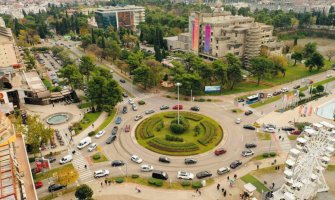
<point x="85" y="166"/>
<point x="105" y="181"/>
<point x="235" y="176"/>
<point x="257" y="167"/>
<point x="228" y="178"/>
<point x="218" y="187"/>
<point x="101" y="184"/>
<point x="225" y="193"/>
<point x="222" y="190"/>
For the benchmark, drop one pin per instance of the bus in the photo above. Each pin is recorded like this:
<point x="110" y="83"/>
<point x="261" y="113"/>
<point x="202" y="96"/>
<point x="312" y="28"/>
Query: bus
<point x="252" y="99"/>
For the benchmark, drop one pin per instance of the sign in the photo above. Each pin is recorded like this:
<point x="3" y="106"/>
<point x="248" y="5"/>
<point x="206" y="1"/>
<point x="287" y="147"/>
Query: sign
<point x="213" y="88"/>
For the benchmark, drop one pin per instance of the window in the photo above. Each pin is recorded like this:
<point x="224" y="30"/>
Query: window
<point x="217" y="48"/>
<point x="235" y="34"/>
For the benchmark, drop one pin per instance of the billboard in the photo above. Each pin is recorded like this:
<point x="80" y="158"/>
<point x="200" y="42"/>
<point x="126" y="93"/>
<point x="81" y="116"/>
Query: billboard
<point x="195" y="35"/>
<point x="216" y="88"/>
<point x="208" y="30"/>
<point x="125" y="19"/>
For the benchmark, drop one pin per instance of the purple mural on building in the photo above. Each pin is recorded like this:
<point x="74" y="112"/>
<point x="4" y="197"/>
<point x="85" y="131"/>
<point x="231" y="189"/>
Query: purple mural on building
<point x="207" y="38"/>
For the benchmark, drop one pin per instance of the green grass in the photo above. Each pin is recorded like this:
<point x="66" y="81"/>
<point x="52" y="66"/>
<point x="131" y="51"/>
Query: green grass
<point x="260" y="187"/>
<point x="102" y="158"/>
<point x="88" y="120"/>
<point x="292" y="137"/>
<point x="107" y="121"/>
<point x="264" y="136"/>
<point x="266" y="101"/>
<point x="48" y="174"/>
<point x="55" y="194"/>
<point x="84" y="105"/>
<point x="236" y="110"/>
<point x="331" y="168"/>
<point x="243" y="87"/>
<point x="188" y="135"/>
<point x="266" y="170"/>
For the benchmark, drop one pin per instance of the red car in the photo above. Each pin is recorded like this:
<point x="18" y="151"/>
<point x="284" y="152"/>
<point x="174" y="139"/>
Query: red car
<point x="296" y="132"/>
<point x="35" y="170"/>
<point x="220" y="151"/>
<point x="177" y="107"/>
<point x="38" y="184"/>
<point x="127" y="129"/>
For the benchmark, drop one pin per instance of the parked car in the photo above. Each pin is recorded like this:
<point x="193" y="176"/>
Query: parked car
<point x="177" y="107"/>
<point x="195" y="108"/>
<point x="131" y="102"/>
<point x="118" y="120"/>
<point x="296" y="87"/>
<point x="238" y="121"/>
<point x="92" y="147"/>
<point x="66" y="159"/>
<point x="269" y="130"/>
<point x="84" y="142"/>
<point x="269" y="96"/>
<point x="124" y="94"/>
<point x="114" y="130"/>
<point x="124" y="110"/>
<point x="185" y="175"/>
<point x="223" y="170"/>
<point x="235" y="164"/>
<point x="148" y="112"/>
<point x="52" y="159"/>
<point x="100" y="134"/>
<point x="117" y="163"/>
<point x="160" y="175"/>
<point x="147" y="168"/>
<point x="250" y="145"/>
<point x="110" y="139"/>
<point x="189" y="161"/>
<point x="250" y="127"/>
<point x="296" y="132"/>
<point x="276" y="93"/>
<point x="122" y="80"/>
<point x="164" y="159"/>
<point x="134" y="107"/>
<point x="35" y="170"/>
<point x="101" y="173"/>
<point x="240" y="100"/>
<point x="248" y="112"/>
<point x="55" y="187"/>
<point x="247" y="153"/>
<point x="203" y="174"/>
<point x="329" y="75"/>
<point x="220" y="151"/>
<point x="38" y="184"/>
<point x="127" y="128"/>
<point x="136" y="159"/>
<point x="284" y="90"/>
<point x="138" y="117"/>
<point x="164" y="107"/>
<point x="287" y="128"/>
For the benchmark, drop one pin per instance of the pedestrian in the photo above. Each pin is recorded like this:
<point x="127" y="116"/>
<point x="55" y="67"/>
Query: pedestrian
<point x="85" y="166"/>
<point x="279" y="137"/>
<point x="197" y="190"/>
<point x="66" y="134"/>
<point x="222" y="190"/>
<point x="105" y="181"/>
<point x="109" y="182"/>
<point x="228" y="178"/>
<point x="282" y="139"/>
<point x="139" y="190"/>
<point x="225" y="193"/>
<point x="101" y="184"/>
<point x="92" y="125"/>
<point x="257" y="167"/>
<point x="279" y="130"/>
<point x="53" y="105"/>
<point x="273" y="185"/>
<point x="218" y="187"/>
<point x="235" y="176"/>
<point x="275" y="161"/>
<point x="243" y="104"/>
<point x="278" y="167"/>
<point x="199" y="193"/>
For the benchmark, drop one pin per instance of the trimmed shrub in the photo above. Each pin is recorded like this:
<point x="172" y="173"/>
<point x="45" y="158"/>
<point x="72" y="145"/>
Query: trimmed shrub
<point x="31" y="160"/>
<point x="265" y="155"/>
<point x="209" y="100"/>
<point x="172" y="147"/>
<point x="135" y="176"/>
<point x="158" y="182"/>
<point x="202" y="100"/>
<point x="185" y="183"/>
<point x="174" y="138"/>
<point x="119" y="180"/>
<point x="96" y="156"/>
<point x="273" y="154"/>
<point x="210" y="133"/>
<point x="168" y="96"/>
<point x="141" y="102"/>
<point x="196" y="185"/>
<point x="152" y="181"/>
<point x="92" y="133"/>
<point x="196" y="130"/>
<point x="181" y="127"/>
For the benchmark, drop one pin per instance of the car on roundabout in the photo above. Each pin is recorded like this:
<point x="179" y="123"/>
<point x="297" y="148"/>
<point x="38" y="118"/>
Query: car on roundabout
<point x="203" y="174"/>
<point x="247" y="153"/>
<point x="136" y="159"/>
<point x="52" y="159"/>
<point x="148" y="112"/>
<point x="124" y="94"/>
<point x="134" y="107"/>
<point x="249" y="127"/>
<point x="100" y="134"/>
<point x="250" y="145"/>
<point x="124" y="109"/>
<point x="122" y="81"/>
<point x="185" y="175"/>
<point x="269" y="130"/>
<point x="223" y="170"/>
<point x="92" y="147"/>
<point x="138" y="117"/>
<point x="177" y="107"/>
<point x="117" y="163"/>
<point x="235" y="164"/>
<point x="238" y="121"/>
<point x="195" y="108"/>
<point x="190" y="161"/>
<point x="219" y="151"/>
<point x="164" y="159"/>
<point x="164" y="107"/>
<point x="118" y="120"/>
<point x="101" y="173"/>
<point x="114" y="130"/>
<point x="248" y="112"/>
<point x="146" y="168"/>
<point x="287" y="128"/>
<point x="110" y="139"/>
<point x="127" y="128"/>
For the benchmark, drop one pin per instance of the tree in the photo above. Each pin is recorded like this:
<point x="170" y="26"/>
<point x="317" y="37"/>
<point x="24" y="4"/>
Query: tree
<point x="279" y="64"/>
<point x="259" y="67"/>
<point x="320" y="88"/>
<point x="330" y="53"/>
<point x="71" y="76"/>
<point x="189" y="82"/>
<point x="158" y="53"/>
<point x="85" y="41"/>
<point x="86" y="66"/>
<point x="309" y="49"/>
<point x="301" y="95"/>
<point x="84" y="192"/>
<point x="134" y="60"/>
<point x="316" y="60"/>
<point x="297" y="56"/>
<point x="142" y="75"/>
<point x="220" y="71"/>
<point x="234" y="73"/>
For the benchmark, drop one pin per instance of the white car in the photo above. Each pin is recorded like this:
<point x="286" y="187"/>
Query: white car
<point x="92" y="147"/>
<point x="136" y="159"/>
<point x="269" y="95"/>
<point x="134" y="107"/>
<point x="283" y="90"/>
<point x="223" y="170"/>
<point x="138" y="117"/>
<point x="269" y="130"/>
<point x="185" y="175"/>
<point x="101" y="173"/>
<point x="238" y="121"/>
<point x="329" y="75"/>
<point x="100" y="134"/>
<point x="247" y="153"/>
<point x="147" y="168"/>
<point x="131" y="102"/>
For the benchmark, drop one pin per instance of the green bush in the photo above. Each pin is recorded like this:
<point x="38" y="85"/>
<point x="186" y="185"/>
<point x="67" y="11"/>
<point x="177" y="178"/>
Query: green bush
<point x="209" y="100"/>
<point x="135" y="176"/>
<point x="210" y="133"/>
<point x="141" y="102"/>
<point x="273" y="154"/>
<point x="92" y="133"/>
<point x="234" y="111"/>
<point x="158" y="182"/>
<point x="202" y="100"/>
<point x="168" y="96"/>
<point x="265" y="155"/>
<point x="152" y="181"/>
<point x="31" y="160"/>
<point x="172" y="147"/>
<point x="174" y="138"/>
<point x="185" y="183"/>
<point x="181" y="127"/>
<point x="119" y="180"/>
<point x="96" y="156"/>
<point x="196" y="185"/>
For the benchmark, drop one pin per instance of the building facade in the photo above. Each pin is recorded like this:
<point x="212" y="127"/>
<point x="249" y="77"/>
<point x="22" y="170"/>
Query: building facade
<point x="128" y="16"/>
<point x="8" y="54"/>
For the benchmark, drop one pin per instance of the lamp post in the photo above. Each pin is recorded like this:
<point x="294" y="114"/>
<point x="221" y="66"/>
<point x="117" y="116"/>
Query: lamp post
<point x="178" y="85"/>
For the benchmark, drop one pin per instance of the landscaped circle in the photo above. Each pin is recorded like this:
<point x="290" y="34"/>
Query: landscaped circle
<point x="195" y="133"/>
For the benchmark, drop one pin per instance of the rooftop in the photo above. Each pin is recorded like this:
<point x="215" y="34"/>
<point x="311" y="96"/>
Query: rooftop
<point x="120" y="8"/>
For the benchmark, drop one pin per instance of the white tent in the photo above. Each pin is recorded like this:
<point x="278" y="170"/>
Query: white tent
<point x="327" y="125"/>
<point x="250" y="188"/>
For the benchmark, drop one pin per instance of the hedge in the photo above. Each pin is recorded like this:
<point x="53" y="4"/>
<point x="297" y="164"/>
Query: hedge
<point x="172" y="147"/>
<point x="174" y="138"/>
<point x="157" y="182"/>
<point x="119" y="180"/>
<point x="273" y="154"/>
<point x="190" y="116"/>
<point x="135" y="176"/>
<point x="210" y="133"/>
<point x="196" y="185"/>
<point x="185" y="183"/>
<point x="96" y="156"/>
<point x="146" y="128"/>
<point x="91" y="133"/>
<point x="265" y="155"/>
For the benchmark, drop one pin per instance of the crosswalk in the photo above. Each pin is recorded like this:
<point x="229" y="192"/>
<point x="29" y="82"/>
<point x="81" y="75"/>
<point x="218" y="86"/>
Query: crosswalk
<point x="285" y="144"/>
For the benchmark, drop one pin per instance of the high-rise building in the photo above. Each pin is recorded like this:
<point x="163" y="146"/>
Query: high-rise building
<point x="127" y="16"/>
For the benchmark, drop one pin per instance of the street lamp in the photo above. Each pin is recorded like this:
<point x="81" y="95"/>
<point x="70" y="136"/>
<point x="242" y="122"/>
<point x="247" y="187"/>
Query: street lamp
<point x="178" y="85"/>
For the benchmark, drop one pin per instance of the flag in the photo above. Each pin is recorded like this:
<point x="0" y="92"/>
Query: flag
<point x="310" y="111"/>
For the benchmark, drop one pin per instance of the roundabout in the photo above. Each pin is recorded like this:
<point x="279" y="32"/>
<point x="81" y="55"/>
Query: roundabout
<point x="195" y="133"/>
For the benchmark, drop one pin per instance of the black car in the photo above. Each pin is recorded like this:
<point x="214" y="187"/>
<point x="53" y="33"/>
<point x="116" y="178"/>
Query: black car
<point x="124" y="94"/>
<point x="235" y="164"/>
<point x="124" y="110"/>
<point x="250" y="127"/>
<point x="189" y="161"/>
<point x="117" y="163"/>
<point x="52" y="159"/>
<point x="288" y="128"/>
<point x="164" y="159"/>
<point x="55" y="187"/>
<point x="110" y="139"/>
<point x="203" y="174"/>
<point x="250" y="145"/>
<point x="248" y="112"/>
<point x="115" y="129"/>
<point x="122" y="80"/>
<point x="195" y="108"/>
<point x="296" y="87"/>
<point x="240" y="100"/>
<point x="276" y="93"/>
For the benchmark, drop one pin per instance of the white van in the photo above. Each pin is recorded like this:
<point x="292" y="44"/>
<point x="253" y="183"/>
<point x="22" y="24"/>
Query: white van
<point x="66" y="159"/>
<point x="84" y="142"/>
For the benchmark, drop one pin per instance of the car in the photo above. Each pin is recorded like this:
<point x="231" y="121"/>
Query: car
<point x="124" y="94"/>
<point x="164" y="159"/>
<point x="235" y="164"/>
<point x="276" y="93"/>
<point x="203" y="174"/>
<point x="148" y="112"/>
<point x="250" y="127"/>
<point x="284" y="90"/>
<point x="138" y="117"/>
<point x="195" y="108"/>
<point x="269" y="96"/>
<point x="185" y="175"/>
<point x="146" y="168"/>
<point x="38" y="184"/>
<point x="177" y="107"/>
<point x="100" y="134"/>
<point x="136" y="159"/>
<point x="296" y="87"/>
<point x="52" y="159"/>
<point x="190" y="161"/>
<point x="296" y="132"/>
<point x="329" y="75"/>
<point x="55" y="187"/>
<point x="127" y="128"/>
<point x="114" y="130"/>
<point x="164" y="107"/>
<point x="101" y="173"/>
<point x="287" y="128"/>
<point x="250" y="145"/>
<point x="117" y="163"/>
<point x="124" y="110"/>
<point x="240" y="100"/>
<point x="66" y="159"/>
<point x="118" y="120"/>
<point x="248" y="112"/>
<point x="110" y="139"/>
<point x="269" y="130"/>
<point x="122" y="81"/>
<point x="223" y="170"/>
<point x="238" y="121"/>
<point x="247" y="153"/>
<point x="219" y="151"/>
<point x="134" y="107"/>
<point x="92" y="147"/>
<point x="131" y="102"/>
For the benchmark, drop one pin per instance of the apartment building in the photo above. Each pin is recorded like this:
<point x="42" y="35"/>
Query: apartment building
<point x="8" y="54"/>
<point x="127" y="16"/>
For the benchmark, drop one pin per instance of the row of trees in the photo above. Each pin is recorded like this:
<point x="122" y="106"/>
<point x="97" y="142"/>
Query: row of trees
<point x="313" y="59"/>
